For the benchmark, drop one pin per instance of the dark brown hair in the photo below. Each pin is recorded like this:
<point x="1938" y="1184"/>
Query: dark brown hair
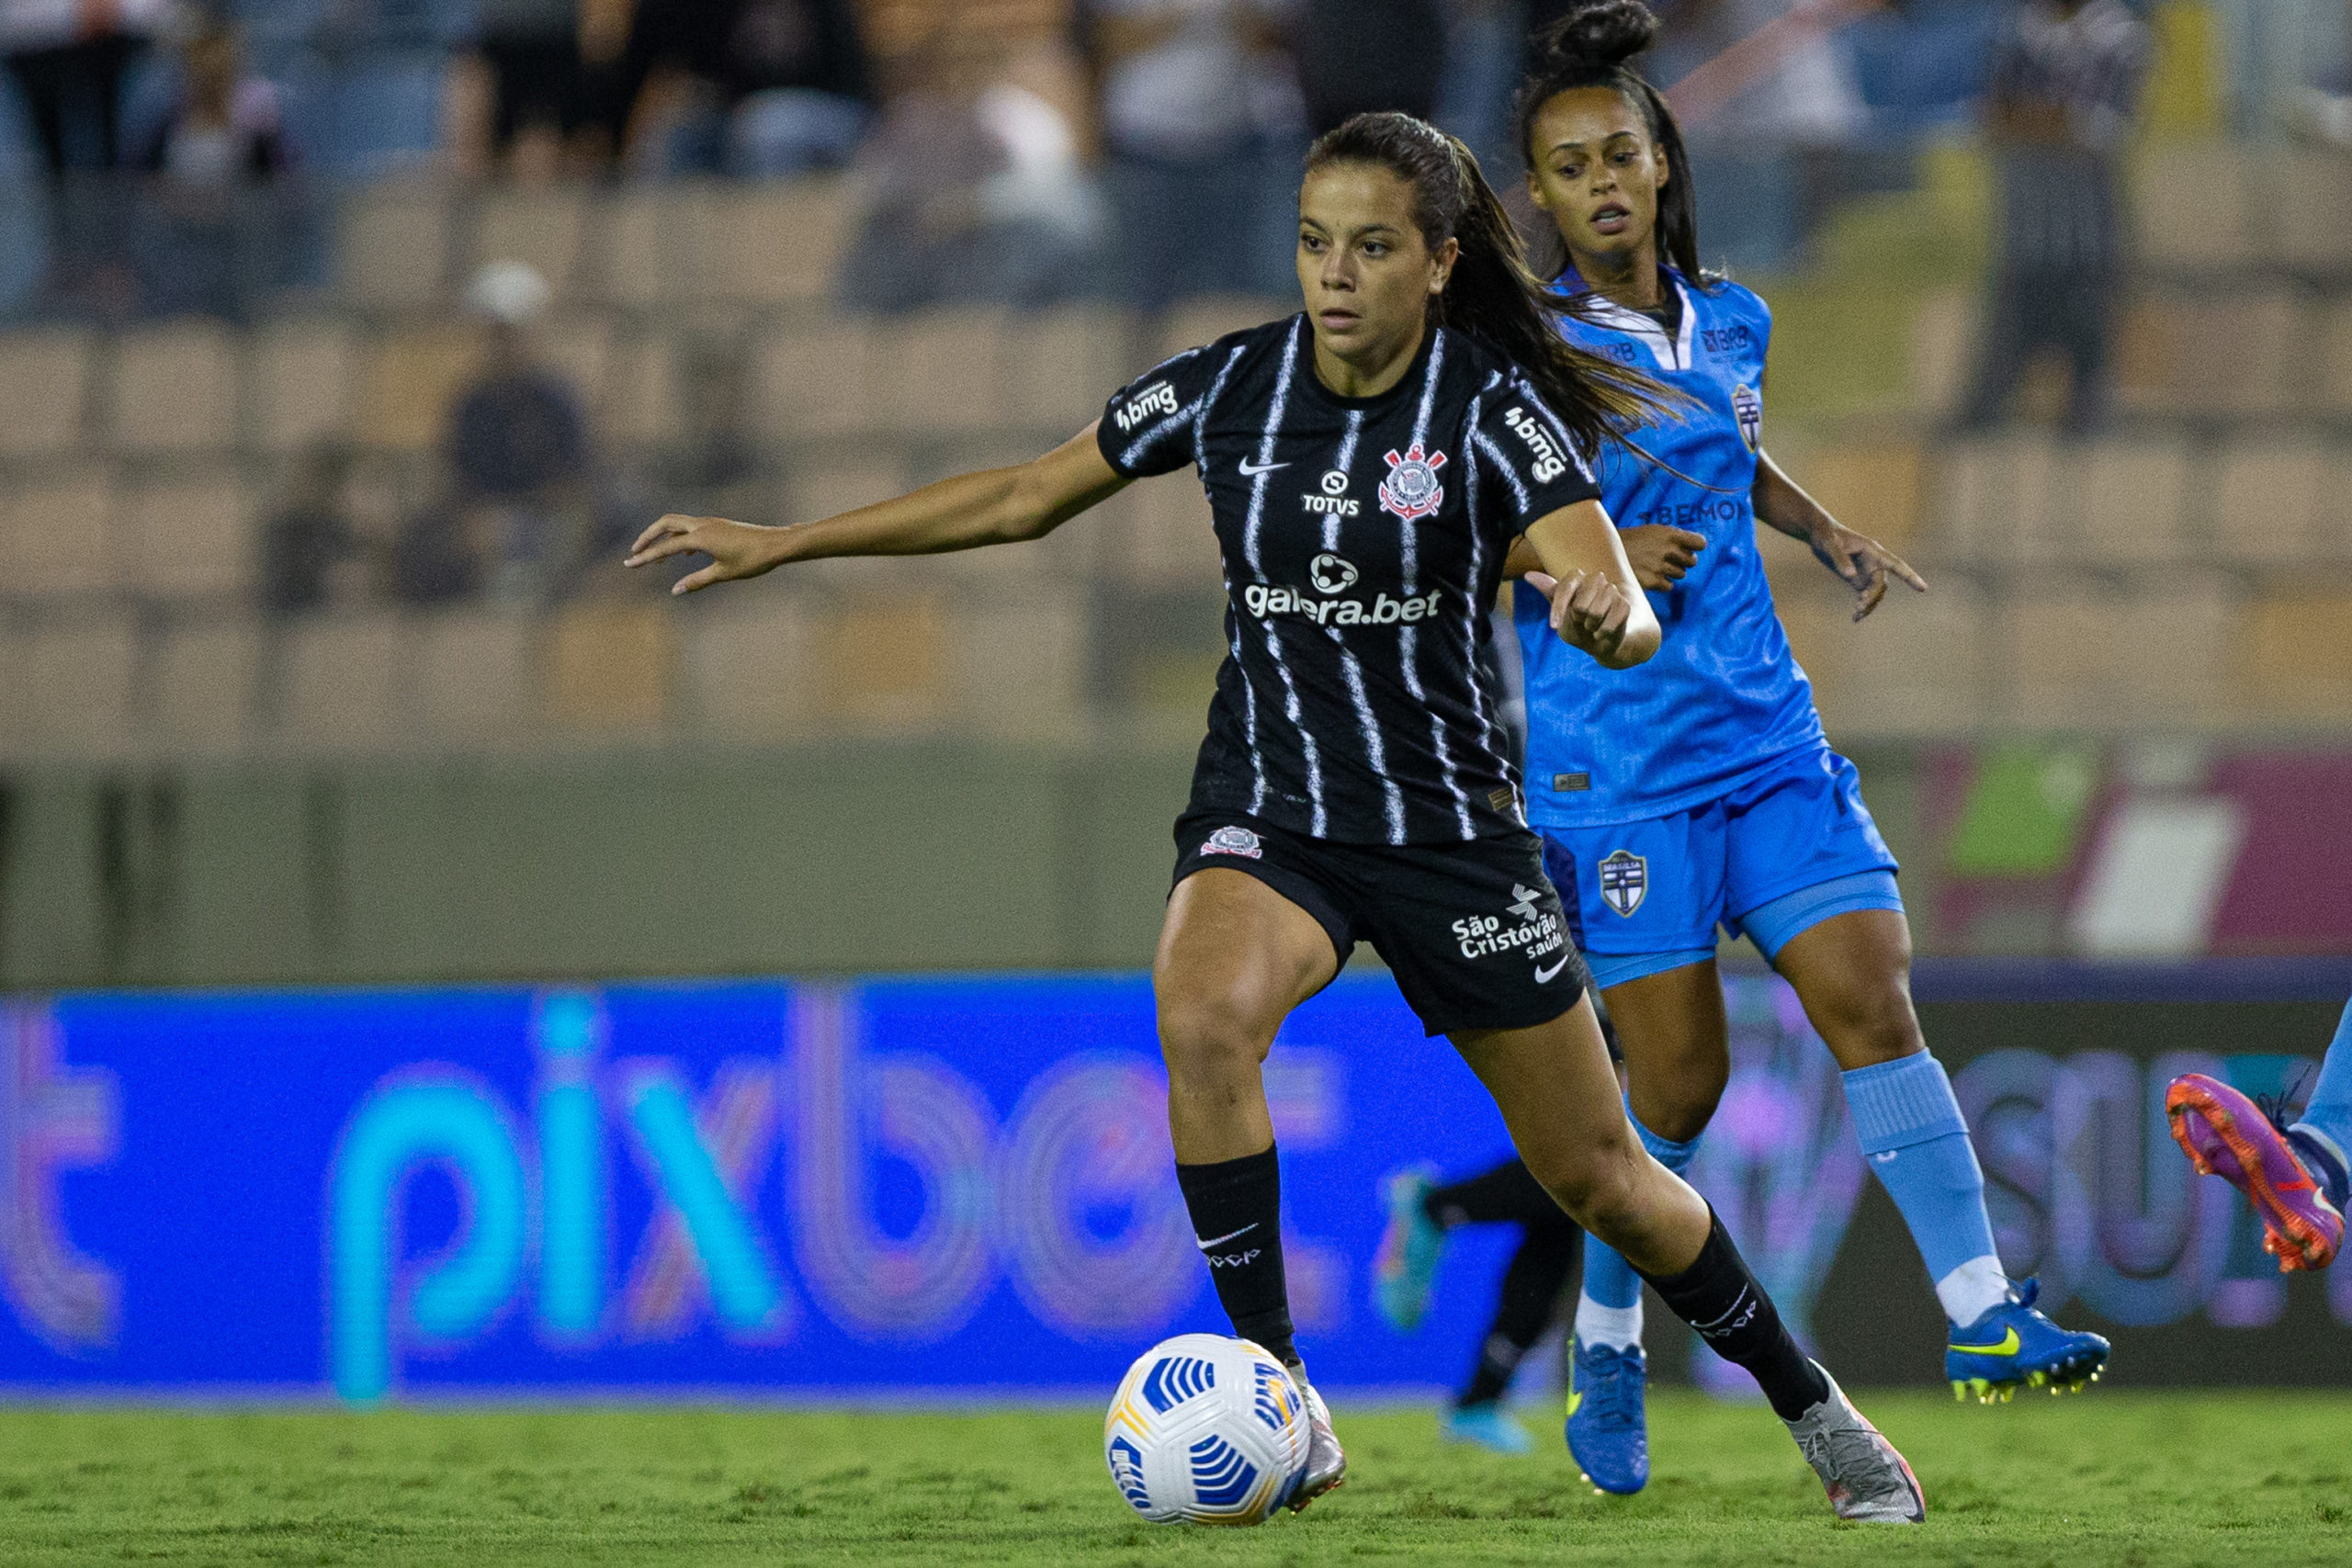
<point x="1492" y="295"/>
<point x="1590" y="47"/>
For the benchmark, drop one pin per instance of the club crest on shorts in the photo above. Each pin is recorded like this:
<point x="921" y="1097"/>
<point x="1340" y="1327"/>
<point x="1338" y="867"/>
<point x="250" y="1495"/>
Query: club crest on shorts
<point x="1625" y="881"/>
<point x="1748" y="406"/>
<point x="1232" y="841"/>
<point x="1411" y="490"/>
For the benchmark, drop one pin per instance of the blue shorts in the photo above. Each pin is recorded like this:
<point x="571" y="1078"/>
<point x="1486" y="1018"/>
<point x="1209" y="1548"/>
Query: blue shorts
<point x="1780" y="853"/>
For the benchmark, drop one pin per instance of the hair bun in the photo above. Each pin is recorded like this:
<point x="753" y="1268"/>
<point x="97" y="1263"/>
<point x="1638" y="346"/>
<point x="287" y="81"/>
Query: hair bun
<point x="1606" y="33"/>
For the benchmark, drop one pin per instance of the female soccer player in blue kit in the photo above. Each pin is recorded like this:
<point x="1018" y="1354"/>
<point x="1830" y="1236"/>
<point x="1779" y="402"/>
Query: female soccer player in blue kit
<point x="1699" y="790"/>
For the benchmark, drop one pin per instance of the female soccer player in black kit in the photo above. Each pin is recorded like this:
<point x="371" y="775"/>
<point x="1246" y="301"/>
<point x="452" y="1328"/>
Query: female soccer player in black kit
<point x="1369" y="463"/>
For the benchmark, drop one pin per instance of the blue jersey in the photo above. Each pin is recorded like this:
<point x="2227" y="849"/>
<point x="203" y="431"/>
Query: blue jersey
<point x="1722" y="698"/>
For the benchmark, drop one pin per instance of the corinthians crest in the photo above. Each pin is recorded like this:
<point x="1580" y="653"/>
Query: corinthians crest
<point x="1411" y="490"/>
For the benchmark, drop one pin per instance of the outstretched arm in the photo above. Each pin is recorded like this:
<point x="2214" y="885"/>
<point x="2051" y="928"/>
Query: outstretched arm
<point x="995" y="506"/>
<point x="1596" y="604"/>
<point x="1860" y="560"/>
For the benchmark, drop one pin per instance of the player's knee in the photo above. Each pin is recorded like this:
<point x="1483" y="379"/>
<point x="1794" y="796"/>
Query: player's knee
<point x="1210" y="1037"/>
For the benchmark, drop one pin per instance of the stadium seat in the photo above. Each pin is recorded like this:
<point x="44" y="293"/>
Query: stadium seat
<point x="644" y="390"/>
<point x="610" y="666"/>
<point x="2122" y="501"/>
<point x="1943" y="351"/>
<point x="749" y="668"/>
<point x="543" y="228"/>
<point x="1161" y="535"/>
<point x="472" y="678"/>
<point x="581" y="346"/>
<point x="813" y="493"/>
<point x="2199" y="205"/>
<point x="2297" y="658"/>
<point x="2314" y="214"/>
<point x="1069" y="362"/>
<point x="57" y="532"/>
<point x="1993" y="498"/>
<point x="818" y="381"/>
<point x="408" y="380"/>
<point x="1019" y="666"/>
<point x="193" y="535"/>
<point x="942" y="372"/>
<point x="343" y="682"/>
<point x="1193" y="323"/>
<point x="69" y="688"/>
<point x="882" y="662"/>
<point x="204" y="682"/>
<point x="301" y="374"/>
<point x="175" y="389"/>
<point x="2171" y="659"/>
<point x="770" y="243"/>
<point x="2271" y="500"/>
<point x="44" y="389"/>
<point x="2053" y="652"/>
<point x="394" y="253"/>
<point x="2335" y="356"/>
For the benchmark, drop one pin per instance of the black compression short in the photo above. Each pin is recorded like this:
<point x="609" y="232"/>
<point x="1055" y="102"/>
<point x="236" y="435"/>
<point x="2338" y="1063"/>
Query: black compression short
<point x="1472" y="931"/>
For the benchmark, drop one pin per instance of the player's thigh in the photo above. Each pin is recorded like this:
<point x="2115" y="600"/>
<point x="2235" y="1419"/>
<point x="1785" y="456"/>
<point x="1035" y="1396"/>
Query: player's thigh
<point x="1676" y="1045"/>
<point x="1852" y="973"/>
<point x="1553" y="1085"/>
<point x="1234" y="957"/>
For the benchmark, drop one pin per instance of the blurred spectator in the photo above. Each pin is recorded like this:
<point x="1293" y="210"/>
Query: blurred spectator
<point x="308" y="541"/>
<point x="1364" y="56"/>
<point x="1205" y="126"/>
<point x="973" y="190"/>
<point x="754" y="88"/>
<point x="220" y="225"/>
<point x="71" y="60"/>
<point x="2066" y="84"/>
<point x="518" y="521"/>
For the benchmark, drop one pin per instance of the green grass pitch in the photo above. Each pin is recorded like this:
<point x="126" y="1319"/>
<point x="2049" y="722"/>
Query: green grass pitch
<point x="2113" y="1477"/>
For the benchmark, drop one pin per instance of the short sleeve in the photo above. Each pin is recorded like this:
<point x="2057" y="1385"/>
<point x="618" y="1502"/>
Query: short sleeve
<point x="1150" y="425"/>
<point x="1525" y="451"/>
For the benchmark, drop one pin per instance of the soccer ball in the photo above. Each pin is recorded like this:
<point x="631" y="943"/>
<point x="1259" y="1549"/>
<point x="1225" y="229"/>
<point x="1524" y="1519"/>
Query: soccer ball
<point x="1206" y="1429"/>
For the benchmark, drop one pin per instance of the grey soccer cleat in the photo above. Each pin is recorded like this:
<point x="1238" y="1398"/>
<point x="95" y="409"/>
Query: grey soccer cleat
<point x="1865" y="1478"/>
<point x="1326" y="1466"/>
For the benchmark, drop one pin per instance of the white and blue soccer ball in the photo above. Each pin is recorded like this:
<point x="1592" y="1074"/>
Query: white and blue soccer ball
<point x="1206" y="1429"/>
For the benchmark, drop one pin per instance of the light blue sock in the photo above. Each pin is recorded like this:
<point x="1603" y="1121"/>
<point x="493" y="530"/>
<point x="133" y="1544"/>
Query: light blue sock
<point x="1608" y="1306"/>
<point x="2330" y="1110"/>
<point x="1909" y="1125"/>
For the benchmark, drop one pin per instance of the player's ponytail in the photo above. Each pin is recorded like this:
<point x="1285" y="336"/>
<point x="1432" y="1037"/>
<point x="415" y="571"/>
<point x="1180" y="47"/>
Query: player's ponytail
<point x="1491" y="294"/>
<point x="1591" y="47"/>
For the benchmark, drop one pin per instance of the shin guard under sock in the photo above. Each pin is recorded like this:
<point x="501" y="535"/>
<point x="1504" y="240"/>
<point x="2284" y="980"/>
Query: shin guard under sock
<point x="1717" y="1296"/>
<point x="1236" y="1206"/>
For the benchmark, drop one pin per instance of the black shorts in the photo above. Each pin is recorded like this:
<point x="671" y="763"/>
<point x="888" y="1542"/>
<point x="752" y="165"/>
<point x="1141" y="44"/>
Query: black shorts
<point x="1473" y="932"/>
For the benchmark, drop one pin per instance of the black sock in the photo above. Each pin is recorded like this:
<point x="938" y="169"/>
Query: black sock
<point x="1530" y="1298"/>
<point x="1237" y="1217"/>
<point x="1717" y="1296"/>
<point x="1508" y="1192"/>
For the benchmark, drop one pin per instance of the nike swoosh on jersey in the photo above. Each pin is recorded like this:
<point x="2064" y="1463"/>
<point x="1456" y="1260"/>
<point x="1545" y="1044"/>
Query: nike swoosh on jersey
<point x="1250" y="471"/>
<point x="1221" y="1240"/>
<point x="2008" y="1347"/>
<point x="1543" y="977"/>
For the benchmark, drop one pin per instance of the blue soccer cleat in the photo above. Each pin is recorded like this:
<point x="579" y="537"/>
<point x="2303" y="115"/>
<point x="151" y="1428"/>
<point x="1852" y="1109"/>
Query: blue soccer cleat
<point x="2014" y="1347"/>
<point x="1608" y="1431"/>
<point x="1486" y="1426"/>
<point x="1409" y="1249"/>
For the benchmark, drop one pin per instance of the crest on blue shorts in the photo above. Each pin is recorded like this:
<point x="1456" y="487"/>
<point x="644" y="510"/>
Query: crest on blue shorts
<point x="1625" y="881"/>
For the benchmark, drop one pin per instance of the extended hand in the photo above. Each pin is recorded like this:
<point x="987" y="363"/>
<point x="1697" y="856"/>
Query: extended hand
<point x="1864" y="563"/>
<point x="1661" y="555"/>
<point x="1587" y="611"/>
<point x="736" y="550"/>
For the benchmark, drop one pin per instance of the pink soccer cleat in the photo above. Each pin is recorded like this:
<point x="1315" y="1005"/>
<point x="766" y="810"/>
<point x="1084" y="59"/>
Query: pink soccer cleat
<point x="2225" y="1134"/>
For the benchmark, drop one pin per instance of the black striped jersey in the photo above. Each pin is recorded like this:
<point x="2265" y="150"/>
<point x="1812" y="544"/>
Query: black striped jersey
<point x="1363" y="539"/>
